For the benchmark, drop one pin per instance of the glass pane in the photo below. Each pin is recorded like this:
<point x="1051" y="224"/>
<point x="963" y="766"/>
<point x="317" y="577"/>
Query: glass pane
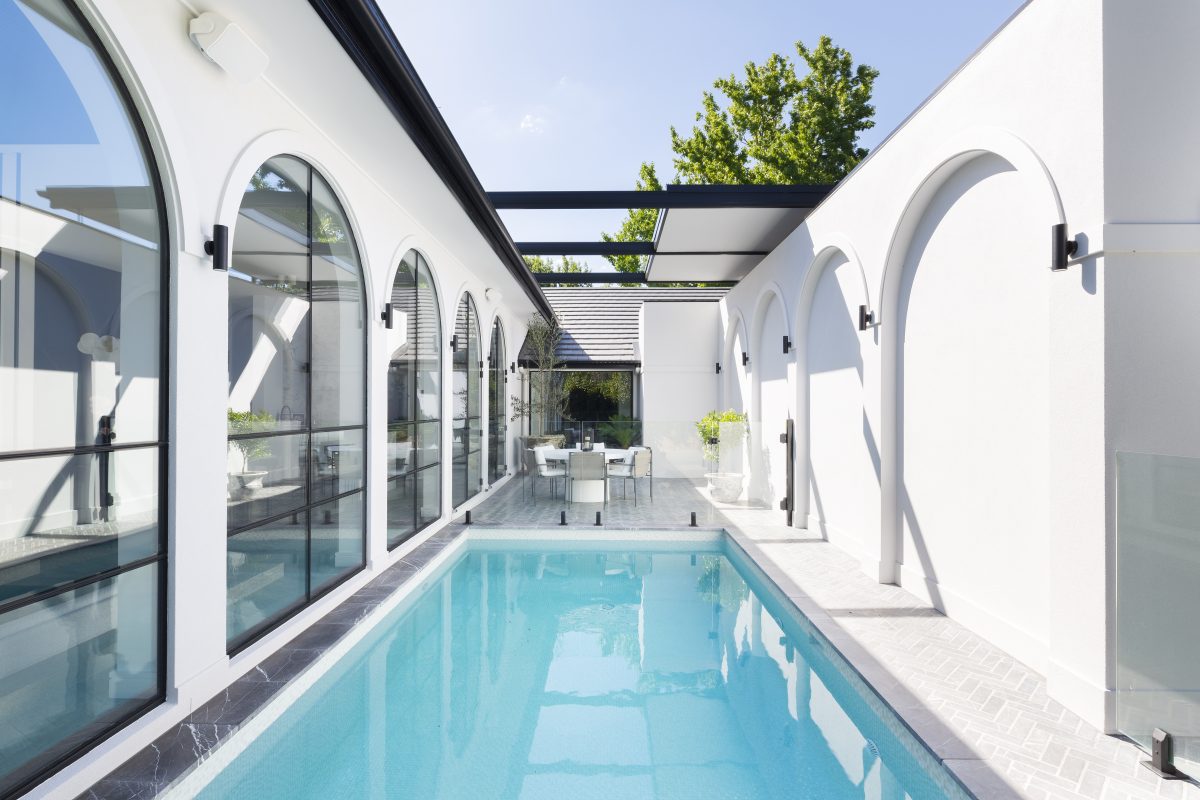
<point x="1158" y="592"/>
<point x="337" y="463"/>
<point x="337" y="539"/>
<point x="267" y="569"/>
<point x="429" y="495"/>
<point x="66" y="517"/>
<point x="429" y="443"/>
<point x="429" y="346"/>
<point x="273" y="217"/>
<point x="80" y="263"/>
<point x="268" y="353"/>
<point x="474" y="473"/>
<point x="337" y="310"/>
<point x="266" y="477"/>
<point x="400" y="444"/>
<point x="72" y="666"/>
<point x="458" y="477"/>
<point x="401" y="509"/>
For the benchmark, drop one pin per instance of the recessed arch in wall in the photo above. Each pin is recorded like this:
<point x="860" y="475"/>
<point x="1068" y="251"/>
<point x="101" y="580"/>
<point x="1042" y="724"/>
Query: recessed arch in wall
<point x="965" y="314"/>
<point x="837" y="491"/>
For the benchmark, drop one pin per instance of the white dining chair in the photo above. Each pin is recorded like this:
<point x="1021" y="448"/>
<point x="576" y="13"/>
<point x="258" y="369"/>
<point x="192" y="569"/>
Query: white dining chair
<point x="586" y="467"/>
<point x="633" y="466"/>
<point x="542" y="469"/>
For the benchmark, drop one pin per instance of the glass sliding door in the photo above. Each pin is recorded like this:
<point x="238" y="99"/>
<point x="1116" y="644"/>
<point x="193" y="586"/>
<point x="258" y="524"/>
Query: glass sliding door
<point x="83" y="262"/>
<point x="297" y="388"/>
<point x="497" y="408"/>
<point x="468" y="379"/>
<point x="414" y="433"/>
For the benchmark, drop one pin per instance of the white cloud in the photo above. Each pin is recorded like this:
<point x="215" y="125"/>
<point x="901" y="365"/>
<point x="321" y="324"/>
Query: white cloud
<point x="533" y="124"/>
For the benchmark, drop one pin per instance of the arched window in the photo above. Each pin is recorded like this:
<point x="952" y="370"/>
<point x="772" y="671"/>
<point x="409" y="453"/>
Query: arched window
<point x="468" y="428"/>
<point x="83" y="259"/>
<point x="414" y="432"/>
<point x="497" y="408"/>
<point x="297" y="388"/>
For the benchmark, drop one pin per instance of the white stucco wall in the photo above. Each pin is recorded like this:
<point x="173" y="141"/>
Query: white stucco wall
<point x="209" y="135"/>
<point x="962" y="446"/>
<point x="679" y="344"/>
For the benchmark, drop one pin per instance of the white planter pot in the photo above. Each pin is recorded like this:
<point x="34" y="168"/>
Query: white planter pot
<point x="724" y="487"/>
<point x="245" y="484"/>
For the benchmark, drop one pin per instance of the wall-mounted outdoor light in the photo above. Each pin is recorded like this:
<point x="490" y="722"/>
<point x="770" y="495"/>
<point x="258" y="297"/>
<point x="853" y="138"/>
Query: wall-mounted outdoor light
<point x="386" y="316"/>
<point x="787" y="345"/>
<point x="865" y="318"/>
<point x="745" y="359"/>
<point x="513" y="368"/>
<point x="228" y="46"/>
<point x="1061" y="248"/>
<point x="718" y="367"/>
<point x="218" y="247"/>
<point x="454" y="343"/>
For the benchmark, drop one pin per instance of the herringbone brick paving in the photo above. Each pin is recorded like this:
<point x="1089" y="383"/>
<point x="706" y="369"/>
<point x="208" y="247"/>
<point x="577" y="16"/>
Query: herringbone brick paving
<point x="985" y="714"/>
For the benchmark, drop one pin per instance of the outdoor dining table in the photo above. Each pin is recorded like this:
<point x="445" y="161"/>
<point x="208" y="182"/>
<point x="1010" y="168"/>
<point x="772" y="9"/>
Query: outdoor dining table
<point x="586" y="491"/>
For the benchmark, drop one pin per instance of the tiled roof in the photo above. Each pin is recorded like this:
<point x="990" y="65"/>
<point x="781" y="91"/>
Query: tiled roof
<point x="600" y="326"/>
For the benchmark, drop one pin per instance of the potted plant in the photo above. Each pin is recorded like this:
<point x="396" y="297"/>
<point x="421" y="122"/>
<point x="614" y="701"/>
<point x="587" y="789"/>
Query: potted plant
<point x="719" y="430"/>
<point x="246" y="482"/>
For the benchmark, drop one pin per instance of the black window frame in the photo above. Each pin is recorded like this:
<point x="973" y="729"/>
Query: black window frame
<point x="119" y="83"/>
<point x="252" y="635"/>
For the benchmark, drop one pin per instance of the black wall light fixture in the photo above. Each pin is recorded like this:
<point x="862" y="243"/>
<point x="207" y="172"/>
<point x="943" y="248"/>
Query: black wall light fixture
<point x="218" y="247"/>
<point x="865" y="318"/>
<point x="745" y="359"/>
<point x="787" y="345"/>
<point x="386" y="316"/>
<point x="1062" y="249"/>
<point x="513" y="368"/>
<point x="718" y="367"/>
<point x="454" y="343"/>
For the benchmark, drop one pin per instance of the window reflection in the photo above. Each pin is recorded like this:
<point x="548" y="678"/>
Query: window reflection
<point x="414" y="401"/>
<point x="497" y="405"/>
<point x="296" y="414"/>
<point x="467" y="423"/>
<point x="81" y="414"/>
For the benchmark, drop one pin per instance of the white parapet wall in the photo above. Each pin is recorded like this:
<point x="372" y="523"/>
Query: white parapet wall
<point x="679" y="344"/>
<point x="963" y="445"/>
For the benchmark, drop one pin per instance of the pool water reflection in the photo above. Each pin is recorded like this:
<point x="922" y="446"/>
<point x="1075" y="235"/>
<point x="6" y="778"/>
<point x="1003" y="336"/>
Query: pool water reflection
<point x="618" y="674"/>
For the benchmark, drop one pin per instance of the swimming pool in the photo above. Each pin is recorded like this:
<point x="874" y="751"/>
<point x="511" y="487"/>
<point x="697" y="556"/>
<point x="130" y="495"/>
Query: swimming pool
<point x="578" y="669"/>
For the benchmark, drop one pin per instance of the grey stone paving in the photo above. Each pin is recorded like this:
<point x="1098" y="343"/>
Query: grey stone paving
<point x="982" y="712"/>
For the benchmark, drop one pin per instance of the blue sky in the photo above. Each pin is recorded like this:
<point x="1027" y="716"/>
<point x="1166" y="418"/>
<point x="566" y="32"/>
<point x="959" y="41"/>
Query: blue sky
<point x="565" y="94"/>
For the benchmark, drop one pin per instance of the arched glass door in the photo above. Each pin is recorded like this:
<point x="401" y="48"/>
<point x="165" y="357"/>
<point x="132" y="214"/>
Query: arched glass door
<point x="297" y="388"/>
<point x="414" y="432"/>
<point x="83" y="263"/>
<point x="497" y="408"/>
<point x="468" y="379"/>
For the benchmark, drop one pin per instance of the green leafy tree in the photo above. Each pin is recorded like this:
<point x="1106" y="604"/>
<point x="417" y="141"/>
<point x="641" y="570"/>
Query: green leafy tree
<point x="638" y="225"/>
<point x="774" y="127"/>
<point x="564" y="264"/>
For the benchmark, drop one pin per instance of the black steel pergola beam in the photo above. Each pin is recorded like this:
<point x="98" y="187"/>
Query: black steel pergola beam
<point x="708" y="196"/>
<point x="586" y="248"/>
<point x="618" y="249"/>
<point x="544" y="278"/>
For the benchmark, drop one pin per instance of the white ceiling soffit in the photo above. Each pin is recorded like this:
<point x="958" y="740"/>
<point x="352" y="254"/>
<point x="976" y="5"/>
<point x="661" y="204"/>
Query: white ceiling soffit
<point x="718" y="244"/>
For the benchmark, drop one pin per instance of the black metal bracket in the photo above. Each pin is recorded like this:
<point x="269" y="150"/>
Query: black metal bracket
<point x="1162" y="756"/>
<point x="865" y="318"/>
<point x="1062" y="249"/>
<point x="386" y="316"/>
<point x="787" y="345"/>
<point x="218" y="247"/>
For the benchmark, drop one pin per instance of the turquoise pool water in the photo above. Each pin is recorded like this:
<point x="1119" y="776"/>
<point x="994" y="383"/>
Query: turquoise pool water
<point x="588" y="673"/>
